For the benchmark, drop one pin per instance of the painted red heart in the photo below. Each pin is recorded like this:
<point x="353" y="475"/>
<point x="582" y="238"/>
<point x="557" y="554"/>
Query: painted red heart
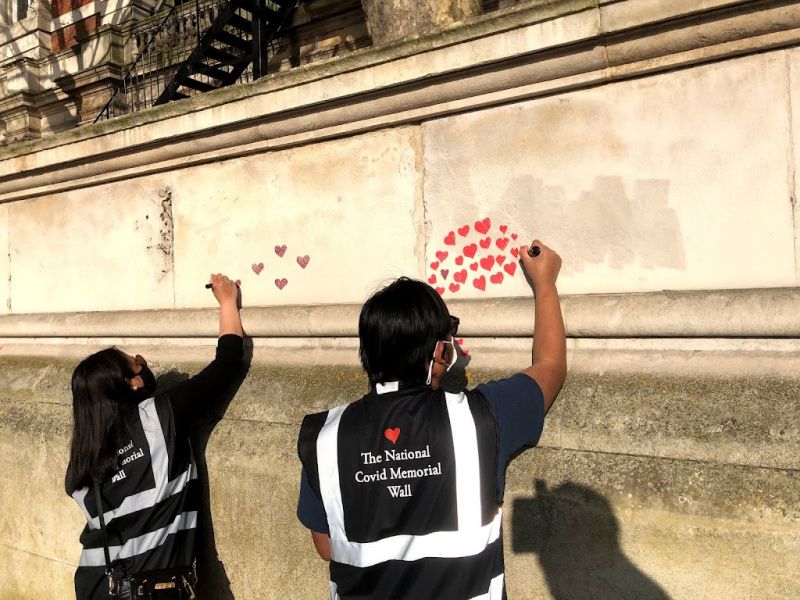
<point x="392" y="434"/>
<point x="281" y="283"/>
<point x="470" y="250"/>
<point x="432" y="279"/>
<point x="513" y="236"/>
<point x="460" y="276"/>
<point x="503" y="228"/>
<point x="515" y="252"/>
<point x="501" y="243"/>
<point x="501" y="258"/>
<point x="280" y="250"/>
<point x="450" y="239"/>
<point x="486" y="242"/>
<point x="473" y="266"/>
<point x="483" y="226"/>
<point x="496" y="278"/>
<point x="303" y="261"/>
<point x="459" y="260"/>
<point x="440" y="291"/>
<point x="445" y="273"/>
<point x="435" y="265"/>
<point x="463" y="231"/>
<point x="480" y="283"/>
<point x="487" y="262"/>
<point x="510" y="268"/>
<point x="441" y="255"/>
<point x="257" y="268"/>
<point x="454" y="287"/>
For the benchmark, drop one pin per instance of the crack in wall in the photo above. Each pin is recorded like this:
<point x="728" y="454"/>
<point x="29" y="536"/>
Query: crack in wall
<point x="791" y="176"/>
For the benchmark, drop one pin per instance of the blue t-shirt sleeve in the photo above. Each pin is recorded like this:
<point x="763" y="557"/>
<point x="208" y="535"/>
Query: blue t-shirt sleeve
<point x="518" y="406"/>
<point x="310" y="509"/>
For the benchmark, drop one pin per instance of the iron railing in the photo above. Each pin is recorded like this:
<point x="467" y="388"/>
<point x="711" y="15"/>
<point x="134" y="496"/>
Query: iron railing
<point x="159" y="48"/>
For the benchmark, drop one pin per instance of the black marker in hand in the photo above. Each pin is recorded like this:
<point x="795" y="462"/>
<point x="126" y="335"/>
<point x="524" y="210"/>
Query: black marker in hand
<point x="534" y="251"/>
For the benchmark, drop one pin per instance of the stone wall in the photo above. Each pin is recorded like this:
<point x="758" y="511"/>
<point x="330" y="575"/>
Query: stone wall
<point x="652" y="144"/>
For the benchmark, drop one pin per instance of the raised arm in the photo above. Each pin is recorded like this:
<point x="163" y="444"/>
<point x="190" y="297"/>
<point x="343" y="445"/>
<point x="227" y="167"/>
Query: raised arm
<point x="227" y="294"/>
<point x="199" y="394"/>
<point x="549" y="356"/>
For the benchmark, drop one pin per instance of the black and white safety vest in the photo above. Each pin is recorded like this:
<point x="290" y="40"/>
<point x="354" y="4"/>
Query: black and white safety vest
<point x="408" y="479"/>
<point x="150" y="504"/>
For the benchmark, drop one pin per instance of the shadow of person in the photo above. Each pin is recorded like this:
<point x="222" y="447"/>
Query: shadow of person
<point x="575" y="535"/>
<point x="213" y="582"/>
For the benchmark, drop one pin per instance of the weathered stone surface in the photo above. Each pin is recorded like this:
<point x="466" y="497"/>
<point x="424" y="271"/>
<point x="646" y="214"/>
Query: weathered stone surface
<point x="389" y="21"/>
<point x="613" y="178"/>
<point x="648" y="485"/>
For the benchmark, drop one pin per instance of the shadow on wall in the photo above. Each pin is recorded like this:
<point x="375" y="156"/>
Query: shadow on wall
<point x="213" y="582"/>
<point x="575" y="535"/>
<point x="603" y="224"/>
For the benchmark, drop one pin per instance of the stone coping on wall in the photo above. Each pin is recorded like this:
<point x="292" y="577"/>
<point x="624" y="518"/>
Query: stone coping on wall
<point x="517" y="55"/>
<point x="736" y="313"/>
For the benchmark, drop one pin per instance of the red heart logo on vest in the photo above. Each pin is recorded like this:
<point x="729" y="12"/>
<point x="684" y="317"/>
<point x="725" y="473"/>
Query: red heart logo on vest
<point x="392" y="434"/>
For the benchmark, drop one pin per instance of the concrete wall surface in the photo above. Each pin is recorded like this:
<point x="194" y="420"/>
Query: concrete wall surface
<point x="644" y="485"/>
<point x="652" y="144"/>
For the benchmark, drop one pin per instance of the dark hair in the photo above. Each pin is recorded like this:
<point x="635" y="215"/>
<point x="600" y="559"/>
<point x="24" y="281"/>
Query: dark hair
<point x="398" y="330"/>
<point x="100" y="396"/>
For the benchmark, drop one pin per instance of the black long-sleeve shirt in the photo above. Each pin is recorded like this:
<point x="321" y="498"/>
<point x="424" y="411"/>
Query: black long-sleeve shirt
<point x="151" y="504"/>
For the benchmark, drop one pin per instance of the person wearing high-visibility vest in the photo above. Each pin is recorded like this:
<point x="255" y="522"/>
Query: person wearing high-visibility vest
<point x="403" y="489"/>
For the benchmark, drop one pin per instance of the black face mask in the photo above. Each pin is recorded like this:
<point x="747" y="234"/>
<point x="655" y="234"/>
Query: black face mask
<point x="149" y="380"/>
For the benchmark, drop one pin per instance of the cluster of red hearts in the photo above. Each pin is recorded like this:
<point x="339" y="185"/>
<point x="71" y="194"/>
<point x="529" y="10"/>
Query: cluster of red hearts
<point x="280" y="283"/>
<point x="475" y="254"/>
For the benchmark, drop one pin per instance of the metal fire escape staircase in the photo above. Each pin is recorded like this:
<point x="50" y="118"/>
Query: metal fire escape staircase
<point x="194" y="51"/>
<point x="228" y="47"/>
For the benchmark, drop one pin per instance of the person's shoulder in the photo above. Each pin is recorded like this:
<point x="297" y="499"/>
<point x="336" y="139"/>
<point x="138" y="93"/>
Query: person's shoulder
<point x="517" y="385"/>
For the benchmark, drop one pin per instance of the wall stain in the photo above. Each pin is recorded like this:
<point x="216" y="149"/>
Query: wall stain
<point x="609" y="223"/>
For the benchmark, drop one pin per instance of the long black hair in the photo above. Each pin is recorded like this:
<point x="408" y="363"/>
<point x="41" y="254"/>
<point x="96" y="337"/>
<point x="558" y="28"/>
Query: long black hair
<point x="100" y="397"/>
<point x="398" y="329"/>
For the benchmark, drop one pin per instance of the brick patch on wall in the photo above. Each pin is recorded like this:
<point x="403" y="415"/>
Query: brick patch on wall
<point x="65" y="37"/>
<point x="62" y="7"/>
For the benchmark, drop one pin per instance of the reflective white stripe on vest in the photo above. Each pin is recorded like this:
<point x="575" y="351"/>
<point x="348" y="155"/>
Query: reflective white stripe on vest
<point x="328" y="466"/>
<point x="94" y="557"/>
<point x="159" y="459"/>
<point x="495" y="590"/>
<point x="468" y="474"/>
<point x="439" y="544"/>
<point x="471" y="537"/>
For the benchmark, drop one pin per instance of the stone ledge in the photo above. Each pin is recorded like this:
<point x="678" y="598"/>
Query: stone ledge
<point x="556" y="47"/>
<point x="744" y="313"/>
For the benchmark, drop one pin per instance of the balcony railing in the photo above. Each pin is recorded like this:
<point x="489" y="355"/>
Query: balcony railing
<point x="160" y="45"/>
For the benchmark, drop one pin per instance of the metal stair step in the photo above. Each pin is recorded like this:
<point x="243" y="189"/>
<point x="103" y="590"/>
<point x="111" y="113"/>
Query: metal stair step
<point x="219" y="55"/>
<point x="233" y="40"/>
<point x="240" y="23"/>
<point x="200" y="86"/>
<point x="204" y="69"/>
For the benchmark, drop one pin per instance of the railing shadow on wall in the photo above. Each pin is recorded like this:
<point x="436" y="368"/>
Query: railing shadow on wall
<point x="574" y="534"/>
<point x="213" y="583"/>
